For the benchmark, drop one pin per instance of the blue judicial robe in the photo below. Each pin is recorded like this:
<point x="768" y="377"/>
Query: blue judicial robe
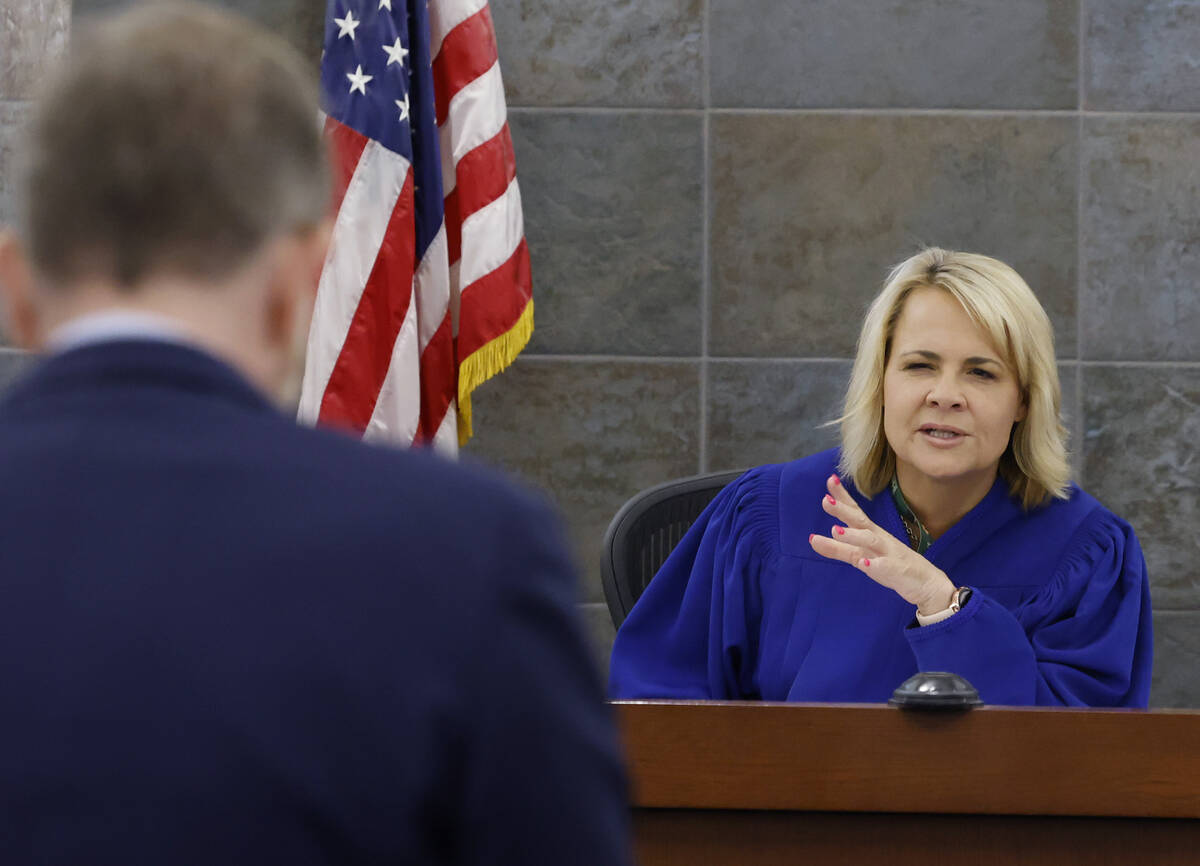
<point x="745" y="609"/>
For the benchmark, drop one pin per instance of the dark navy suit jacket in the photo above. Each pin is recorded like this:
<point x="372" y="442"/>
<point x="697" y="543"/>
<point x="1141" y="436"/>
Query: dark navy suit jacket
<point x="229" y="639"/>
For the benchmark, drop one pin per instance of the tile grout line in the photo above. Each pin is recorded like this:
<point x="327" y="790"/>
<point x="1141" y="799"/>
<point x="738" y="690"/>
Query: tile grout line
<point x="882" y="111"/>
<point x="705" y="69"/>
<point x="1081" y="58"/>
<point x="774" y="359"/>
<point x="1148" y="365"/>
<point x="605" y="359"/>
<point x="705" y="235"/>
<point x="852" y="112"/>
<point x="1080" y="264"/>
<point x="781" y="359"/>
<point x="606" y="109"/>
<point x="1080" y="422"/>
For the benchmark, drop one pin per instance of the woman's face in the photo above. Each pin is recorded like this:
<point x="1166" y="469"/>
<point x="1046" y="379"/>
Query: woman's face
<point x="950" y="399"/>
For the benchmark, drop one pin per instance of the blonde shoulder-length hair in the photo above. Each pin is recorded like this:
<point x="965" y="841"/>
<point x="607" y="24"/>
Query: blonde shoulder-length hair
<point x="1035" y="463"/>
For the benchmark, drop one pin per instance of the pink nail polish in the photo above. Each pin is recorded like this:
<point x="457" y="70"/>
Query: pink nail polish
<point x="811" y="537"/>
<point x="866" y="562"/>
<point x="831" y="500"/>
<point x="836" y="480"/>
<point x="839" y="530"/>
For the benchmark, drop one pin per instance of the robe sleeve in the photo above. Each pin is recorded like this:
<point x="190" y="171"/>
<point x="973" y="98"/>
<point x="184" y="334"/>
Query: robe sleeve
<point x="694" y="631"/>
<point x="1084" y="639"/>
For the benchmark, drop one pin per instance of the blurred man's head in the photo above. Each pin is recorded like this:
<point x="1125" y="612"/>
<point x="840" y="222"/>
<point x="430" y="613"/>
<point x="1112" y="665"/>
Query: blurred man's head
<point x="173" y="160"/>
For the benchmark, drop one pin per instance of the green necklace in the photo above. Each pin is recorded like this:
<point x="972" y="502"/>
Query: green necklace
<point x="919" y="538"/>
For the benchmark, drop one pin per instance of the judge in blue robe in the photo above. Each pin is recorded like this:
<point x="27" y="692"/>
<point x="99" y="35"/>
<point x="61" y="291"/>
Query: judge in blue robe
<point x="943" y="535"/>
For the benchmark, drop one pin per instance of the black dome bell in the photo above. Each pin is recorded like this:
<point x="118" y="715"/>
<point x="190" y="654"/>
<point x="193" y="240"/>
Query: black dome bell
<point x="935" y="690"/>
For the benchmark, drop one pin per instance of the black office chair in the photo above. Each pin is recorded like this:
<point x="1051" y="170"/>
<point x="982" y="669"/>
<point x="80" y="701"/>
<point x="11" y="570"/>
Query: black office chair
<point x="646" y="530"/>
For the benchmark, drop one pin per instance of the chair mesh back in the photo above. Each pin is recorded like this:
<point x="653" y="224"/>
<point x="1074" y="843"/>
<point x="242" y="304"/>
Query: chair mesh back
<point x="646" y="530"/>
<point x="656" y="532"/>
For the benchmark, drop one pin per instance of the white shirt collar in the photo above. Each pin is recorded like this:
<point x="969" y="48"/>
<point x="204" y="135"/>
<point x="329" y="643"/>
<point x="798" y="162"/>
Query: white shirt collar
<point x="112" y="325"/>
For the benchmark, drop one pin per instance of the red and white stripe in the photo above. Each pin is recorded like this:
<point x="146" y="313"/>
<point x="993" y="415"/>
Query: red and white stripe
<point x="408" y="394"/>
<point x="368" y="336"/>
<point x="484" y="222"/>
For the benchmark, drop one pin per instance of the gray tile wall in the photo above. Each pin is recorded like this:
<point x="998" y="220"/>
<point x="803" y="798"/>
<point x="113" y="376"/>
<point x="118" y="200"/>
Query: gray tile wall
<point x="784" y="156"/>
<point x="32" y="34"/>
<point x="714" y="188"/>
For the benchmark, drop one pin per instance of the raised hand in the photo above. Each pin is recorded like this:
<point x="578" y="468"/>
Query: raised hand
<point x="880" y="555"/>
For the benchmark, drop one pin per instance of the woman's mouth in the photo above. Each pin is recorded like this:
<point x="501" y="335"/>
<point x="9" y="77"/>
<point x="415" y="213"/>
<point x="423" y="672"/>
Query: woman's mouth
<point x="938" y="435"/>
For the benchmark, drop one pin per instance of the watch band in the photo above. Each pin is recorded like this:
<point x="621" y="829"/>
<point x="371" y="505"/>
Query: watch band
<point x="957" y="601"/>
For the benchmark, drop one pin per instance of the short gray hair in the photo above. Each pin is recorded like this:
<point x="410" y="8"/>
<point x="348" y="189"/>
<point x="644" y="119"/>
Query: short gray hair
<point x="176" y="138"/>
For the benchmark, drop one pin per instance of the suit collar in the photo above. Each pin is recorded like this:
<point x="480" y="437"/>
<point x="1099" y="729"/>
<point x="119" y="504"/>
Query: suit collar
<point x="134" y="363"/>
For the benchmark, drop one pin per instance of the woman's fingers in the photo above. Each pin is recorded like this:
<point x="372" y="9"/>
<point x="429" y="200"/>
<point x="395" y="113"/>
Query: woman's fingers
<point x="874" y="563"/>
<point x="840" y="505"/>
<point x="831" y="549"/>
<point x="855" y="540"/>
<point x="866" y="540"/>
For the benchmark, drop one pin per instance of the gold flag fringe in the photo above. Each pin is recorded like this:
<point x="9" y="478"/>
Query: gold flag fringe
<point x="488" y="360"/>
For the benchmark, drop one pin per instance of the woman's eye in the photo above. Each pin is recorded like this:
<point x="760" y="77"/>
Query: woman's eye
<point x="983" y="374"/>
<point x="917" y="365"/>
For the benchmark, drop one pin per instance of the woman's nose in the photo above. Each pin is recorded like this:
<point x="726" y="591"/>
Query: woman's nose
<point x="945" y="394"/>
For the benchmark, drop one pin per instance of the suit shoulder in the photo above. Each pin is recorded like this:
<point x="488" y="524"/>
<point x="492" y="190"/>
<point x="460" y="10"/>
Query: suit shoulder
<point x="377" y="506"/>
<point x="418" y="475"/>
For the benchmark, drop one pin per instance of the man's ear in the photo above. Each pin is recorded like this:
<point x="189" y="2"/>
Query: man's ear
<point x="296" y="265"/>
<point x="316" y="243"/>
<point x="20" y="314"/>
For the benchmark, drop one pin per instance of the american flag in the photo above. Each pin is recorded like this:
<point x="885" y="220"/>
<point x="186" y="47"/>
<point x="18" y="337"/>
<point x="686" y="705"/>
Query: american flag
<point x="426" y="289"/>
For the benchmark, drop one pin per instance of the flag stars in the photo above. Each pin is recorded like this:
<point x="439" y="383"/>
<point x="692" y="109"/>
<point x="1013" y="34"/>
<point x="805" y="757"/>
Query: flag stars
<point x="385" y="4"/>
<point x="358" y="81"/>
<point x="347" y="25"/>
<point x="396" y="53"/>
<point x="402" y="104"/>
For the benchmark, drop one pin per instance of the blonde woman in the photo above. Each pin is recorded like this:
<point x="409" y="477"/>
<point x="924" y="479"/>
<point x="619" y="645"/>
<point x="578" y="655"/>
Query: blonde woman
<point x="943" y="535"/>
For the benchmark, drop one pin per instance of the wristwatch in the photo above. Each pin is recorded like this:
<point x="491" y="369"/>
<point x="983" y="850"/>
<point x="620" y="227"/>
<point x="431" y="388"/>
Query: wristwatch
<point x="957" y="602"/>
